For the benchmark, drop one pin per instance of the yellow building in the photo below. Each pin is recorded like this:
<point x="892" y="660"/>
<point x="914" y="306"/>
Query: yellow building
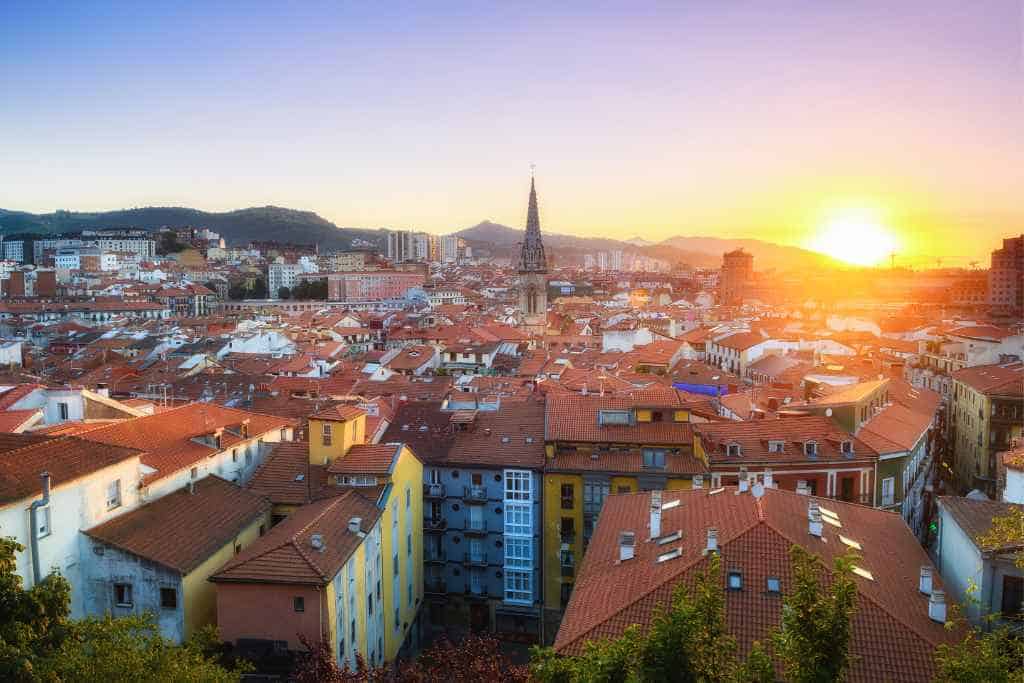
<point x="159" y="557"/>
<point x="597" y="446"/>
<point x="335" y="461"/>
<point x="986" y="414"/>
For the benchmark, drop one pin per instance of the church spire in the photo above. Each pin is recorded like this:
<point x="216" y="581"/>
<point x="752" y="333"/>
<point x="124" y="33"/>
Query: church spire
<point x="532" y="259"/>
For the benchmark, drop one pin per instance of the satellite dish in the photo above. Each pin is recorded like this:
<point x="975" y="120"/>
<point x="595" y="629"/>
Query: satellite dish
<point x="757" y="490"/>
<point x="828" y="412"/>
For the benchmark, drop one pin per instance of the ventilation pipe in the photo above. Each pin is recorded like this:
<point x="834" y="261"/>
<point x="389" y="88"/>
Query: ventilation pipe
<point x="712" y="545"/>
<point x="937" y="606"/>
<point x="925" y="584"/>
<point x="34" y="532"/>
<point x="655" y="514"/>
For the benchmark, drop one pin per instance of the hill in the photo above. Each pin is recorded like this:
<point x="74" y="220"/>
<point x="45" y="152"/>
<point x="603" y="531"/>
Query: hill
<point x="237" y="227"/>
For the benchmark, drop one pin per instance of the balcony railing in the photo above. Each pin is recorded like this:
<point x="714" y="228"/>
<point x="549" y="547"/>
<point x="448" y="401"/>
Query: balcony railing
<point x="568" y="564"/>
<point x="433" y="491"/>
<point x="435" y="587"/>
<point x="476" y="591"/>
<point x="475" y="526"/>
<point x="435" y="525"/>
<point x="475" y="559"/>
<point x="568" y="537"/>
<point x="474" y="494"/>
<point x="434" y="557"/>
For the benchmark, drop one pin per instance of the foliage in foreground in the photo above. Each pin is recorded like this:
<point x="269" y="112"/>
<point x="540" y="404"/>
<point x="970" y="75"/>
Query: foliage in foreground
<point x="39" y="642"/>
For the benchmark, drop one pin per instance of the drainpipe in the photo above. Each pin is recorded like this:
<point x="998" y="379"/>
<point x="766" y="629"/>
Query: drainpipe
<point x="34" y="531"/>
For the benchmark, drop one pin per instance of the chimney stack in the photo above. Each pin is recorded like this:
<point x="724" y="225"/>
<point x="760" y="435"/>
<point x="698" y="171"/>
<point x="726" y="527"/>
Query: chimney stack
<point x="768" y="478"/>
<point x="355" y="524"/>
<point x="712" y="546"/>
<point x="925" y="585"/>
<point x="627" y="543"/>
<point x="937" y="606"/>
<point x="655" y="514"/>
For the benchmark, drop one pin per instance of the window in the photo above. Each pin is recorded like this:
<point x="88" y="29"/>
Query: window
<point x="168" y="598"/>
<point x="733" y="449"/>
<point x="299" y="603"/>
<point x="369" y="603"/>
<point x="1013" y="596"/>
<point x="62" y="410"/>
<point x="43" y="522"/>
<point x="846" y="447"/>
<point x="477" y="479"/>
<point x="193" y="473"/>
<point x="654" y="458"/>
<point x="123" y="594"/>
<point x="518" y="520"/>
<point x="114" y="494"/>
<point x="735" y="581"/>
<point x="398" y="619"/>
<point x="517" y="485"/>
<point x="518" y="586"/>
<point x="568" y="530"/>
<point x="408" y="498"/>
<point x="888" y="491"/>
<point x="774" y="585"/>
<point x="776" y="446"/>
<point x="325" y="431"/>
<point x="248" y="457"/>
<point x="568" y="496"/>
<point x="284" y="435"/>
<point x="234" y="455"/>
<point x="810" y="449"/>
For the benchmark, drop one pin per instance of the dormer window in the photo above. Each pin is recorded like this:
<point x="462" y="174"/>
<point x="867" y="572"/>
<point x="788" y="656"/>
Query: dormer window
<point x="775" y="446"/>
<point x="613" y="417"/>
<point x="733" y="449"/>
<point x="811" y="449"/>
<point x="846" y="447"/>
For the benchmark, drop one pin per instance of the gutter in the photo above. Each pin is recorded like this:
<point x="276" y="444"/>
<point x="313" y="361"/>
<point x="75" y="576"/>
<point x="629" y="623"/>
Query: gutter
<point x="34" y="521"/>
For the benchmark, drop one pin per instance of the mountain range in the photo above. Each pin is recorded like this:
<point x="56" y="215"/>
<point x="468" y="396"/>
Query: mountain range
<point x="290" y="225"/>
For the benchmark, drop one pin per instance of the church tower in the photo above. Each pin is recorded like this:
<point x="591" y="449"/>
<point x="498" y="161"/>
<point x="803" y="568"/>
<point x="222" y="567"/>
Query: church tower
<point x="532" y="281"/>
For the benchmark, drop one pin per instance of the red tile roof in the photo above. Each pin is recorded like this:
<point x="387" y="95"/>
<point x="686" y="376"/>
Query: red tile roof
<point x="339" y="413"/>
<point x="182" y="529"/>
<point x="13" y="420"/>
<point x="575" y="418"/>
<point x="1002" y="380"/>
<point x="286" y="477"/>
<point x="168" y="437"/>
<point x="893" y="638"/>
<point x="377" y="459"/>
<point x="286" y="553"/>
<point x="753" y="437"/>
<point x="66" y="459"/>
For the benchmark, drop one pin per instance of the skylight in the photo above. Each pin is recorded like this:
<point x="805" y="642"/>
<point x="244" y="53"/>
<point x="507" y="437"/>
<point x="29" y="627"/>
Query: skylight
<point x="670" y="555"/>
<point x="674" y="536"/>
<point x="834" y="521"/>
<point x="864" y="573"/>
<point x="670" y="504"/>
<point x="850" y="542"/>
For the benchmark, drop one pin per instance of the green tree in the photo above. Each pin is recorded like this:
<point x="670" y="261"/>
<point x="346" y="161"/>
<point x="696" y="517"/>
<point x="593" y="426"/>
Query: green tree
<point x="284" y="293"/>
<point x="39" y="642"/>
<point x="814" y="641"/>
<point x="993" y="657"/>
<point x="1007" y="531"/>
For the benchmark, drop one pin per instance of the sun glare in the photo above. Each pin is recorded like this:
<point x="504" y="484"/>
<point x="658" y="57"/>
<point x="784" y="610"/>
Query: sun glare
<point x="856" y="237"/>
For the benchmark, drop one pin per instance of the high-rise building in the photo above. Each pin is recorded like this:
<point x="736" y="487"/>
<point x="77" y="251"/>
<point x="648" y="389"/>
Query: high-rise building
<point x="617" y="260"/>
<point x="602" y="261"/>
<point x="737" y="275"/>
<point x="1006" y="277"/>
<point x="533" y="268"/>
<point x="453" y="248"/>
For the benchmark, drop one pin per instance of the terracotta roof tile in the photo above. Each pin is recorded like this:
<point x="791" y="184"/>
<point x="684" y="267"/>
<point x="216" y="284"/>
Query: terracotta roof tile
<point x="367" y="459"/>
<point x="286" y="553"/>
<point x="182" y="529"/>
<point x="576" y="418"/>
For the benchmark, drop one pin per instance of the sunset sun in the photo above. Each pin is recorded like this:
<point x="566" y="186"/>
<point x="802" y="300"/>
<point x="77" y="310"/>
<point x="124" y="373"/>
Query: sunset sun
<point x="855" y="236"/>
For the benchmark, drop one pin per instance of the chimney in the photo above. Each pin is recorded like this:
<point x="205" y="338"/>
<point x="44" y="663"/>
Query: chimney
<point x="925" y="584"/>
<point x="355" y="524"/>
<point x="712" y="546"/>
<point x="655" y="514"/>
<point x="768" y="483"/>
<point x="814" y="525"/>
<point x="627" y="544"/>
<point x="103" y="390"/>
<point x="937" y="606"/>
<point x="317" y="542"/>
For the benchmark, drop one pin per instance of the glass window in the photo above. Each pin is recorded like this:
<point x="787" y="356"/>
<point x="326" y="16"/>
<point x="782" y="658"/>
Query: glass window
<point x="519" y="553"/>
<point x="43" y="522"/>
<point x="519" y="586"/>
<point x="299" y="604"/>
<point x="123" y="594"/>
<point x="517" y="485"/>
<point x="168" y="598"/>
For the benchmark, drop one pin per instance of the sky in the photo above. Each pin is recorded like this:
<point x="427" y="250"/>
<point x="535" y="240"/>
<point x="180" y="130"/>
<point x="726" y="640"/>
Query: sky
<point x="767" y="119"/>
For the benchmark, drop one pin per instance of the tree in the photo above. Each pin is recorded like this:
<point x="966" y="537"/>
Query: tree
<point x="814" y="641"/>
<point x="688" y="640"/>
<point x="1007" y="531"/>
<point x="993" y="657"/>
<point x="475" y="658"/>
<point x="284" y="293"/>
<point x="38" y="641"/>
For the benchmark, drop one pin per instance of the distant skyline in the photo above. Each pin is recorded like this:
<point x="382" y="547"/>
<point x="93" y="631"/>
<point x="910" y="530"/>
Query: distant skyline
<point x="750" y="120"/>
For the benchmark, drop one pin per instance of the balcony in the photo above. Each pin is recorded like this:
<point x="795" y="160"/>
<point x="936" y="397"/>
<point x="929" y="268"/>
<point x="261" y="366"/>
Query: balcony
<point x="435" y="587"/>
<point x="568" y="564"/>
<point x="474" y="494"/>
<point x="476" y="527"/>
<point x="568" y="537"/>
<point x="474" y="559"/>
<point x="433" y="491"/>
<point x="431" y="525"/>
<point x="477" y="592"/>
<point x="434" y="557"/>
